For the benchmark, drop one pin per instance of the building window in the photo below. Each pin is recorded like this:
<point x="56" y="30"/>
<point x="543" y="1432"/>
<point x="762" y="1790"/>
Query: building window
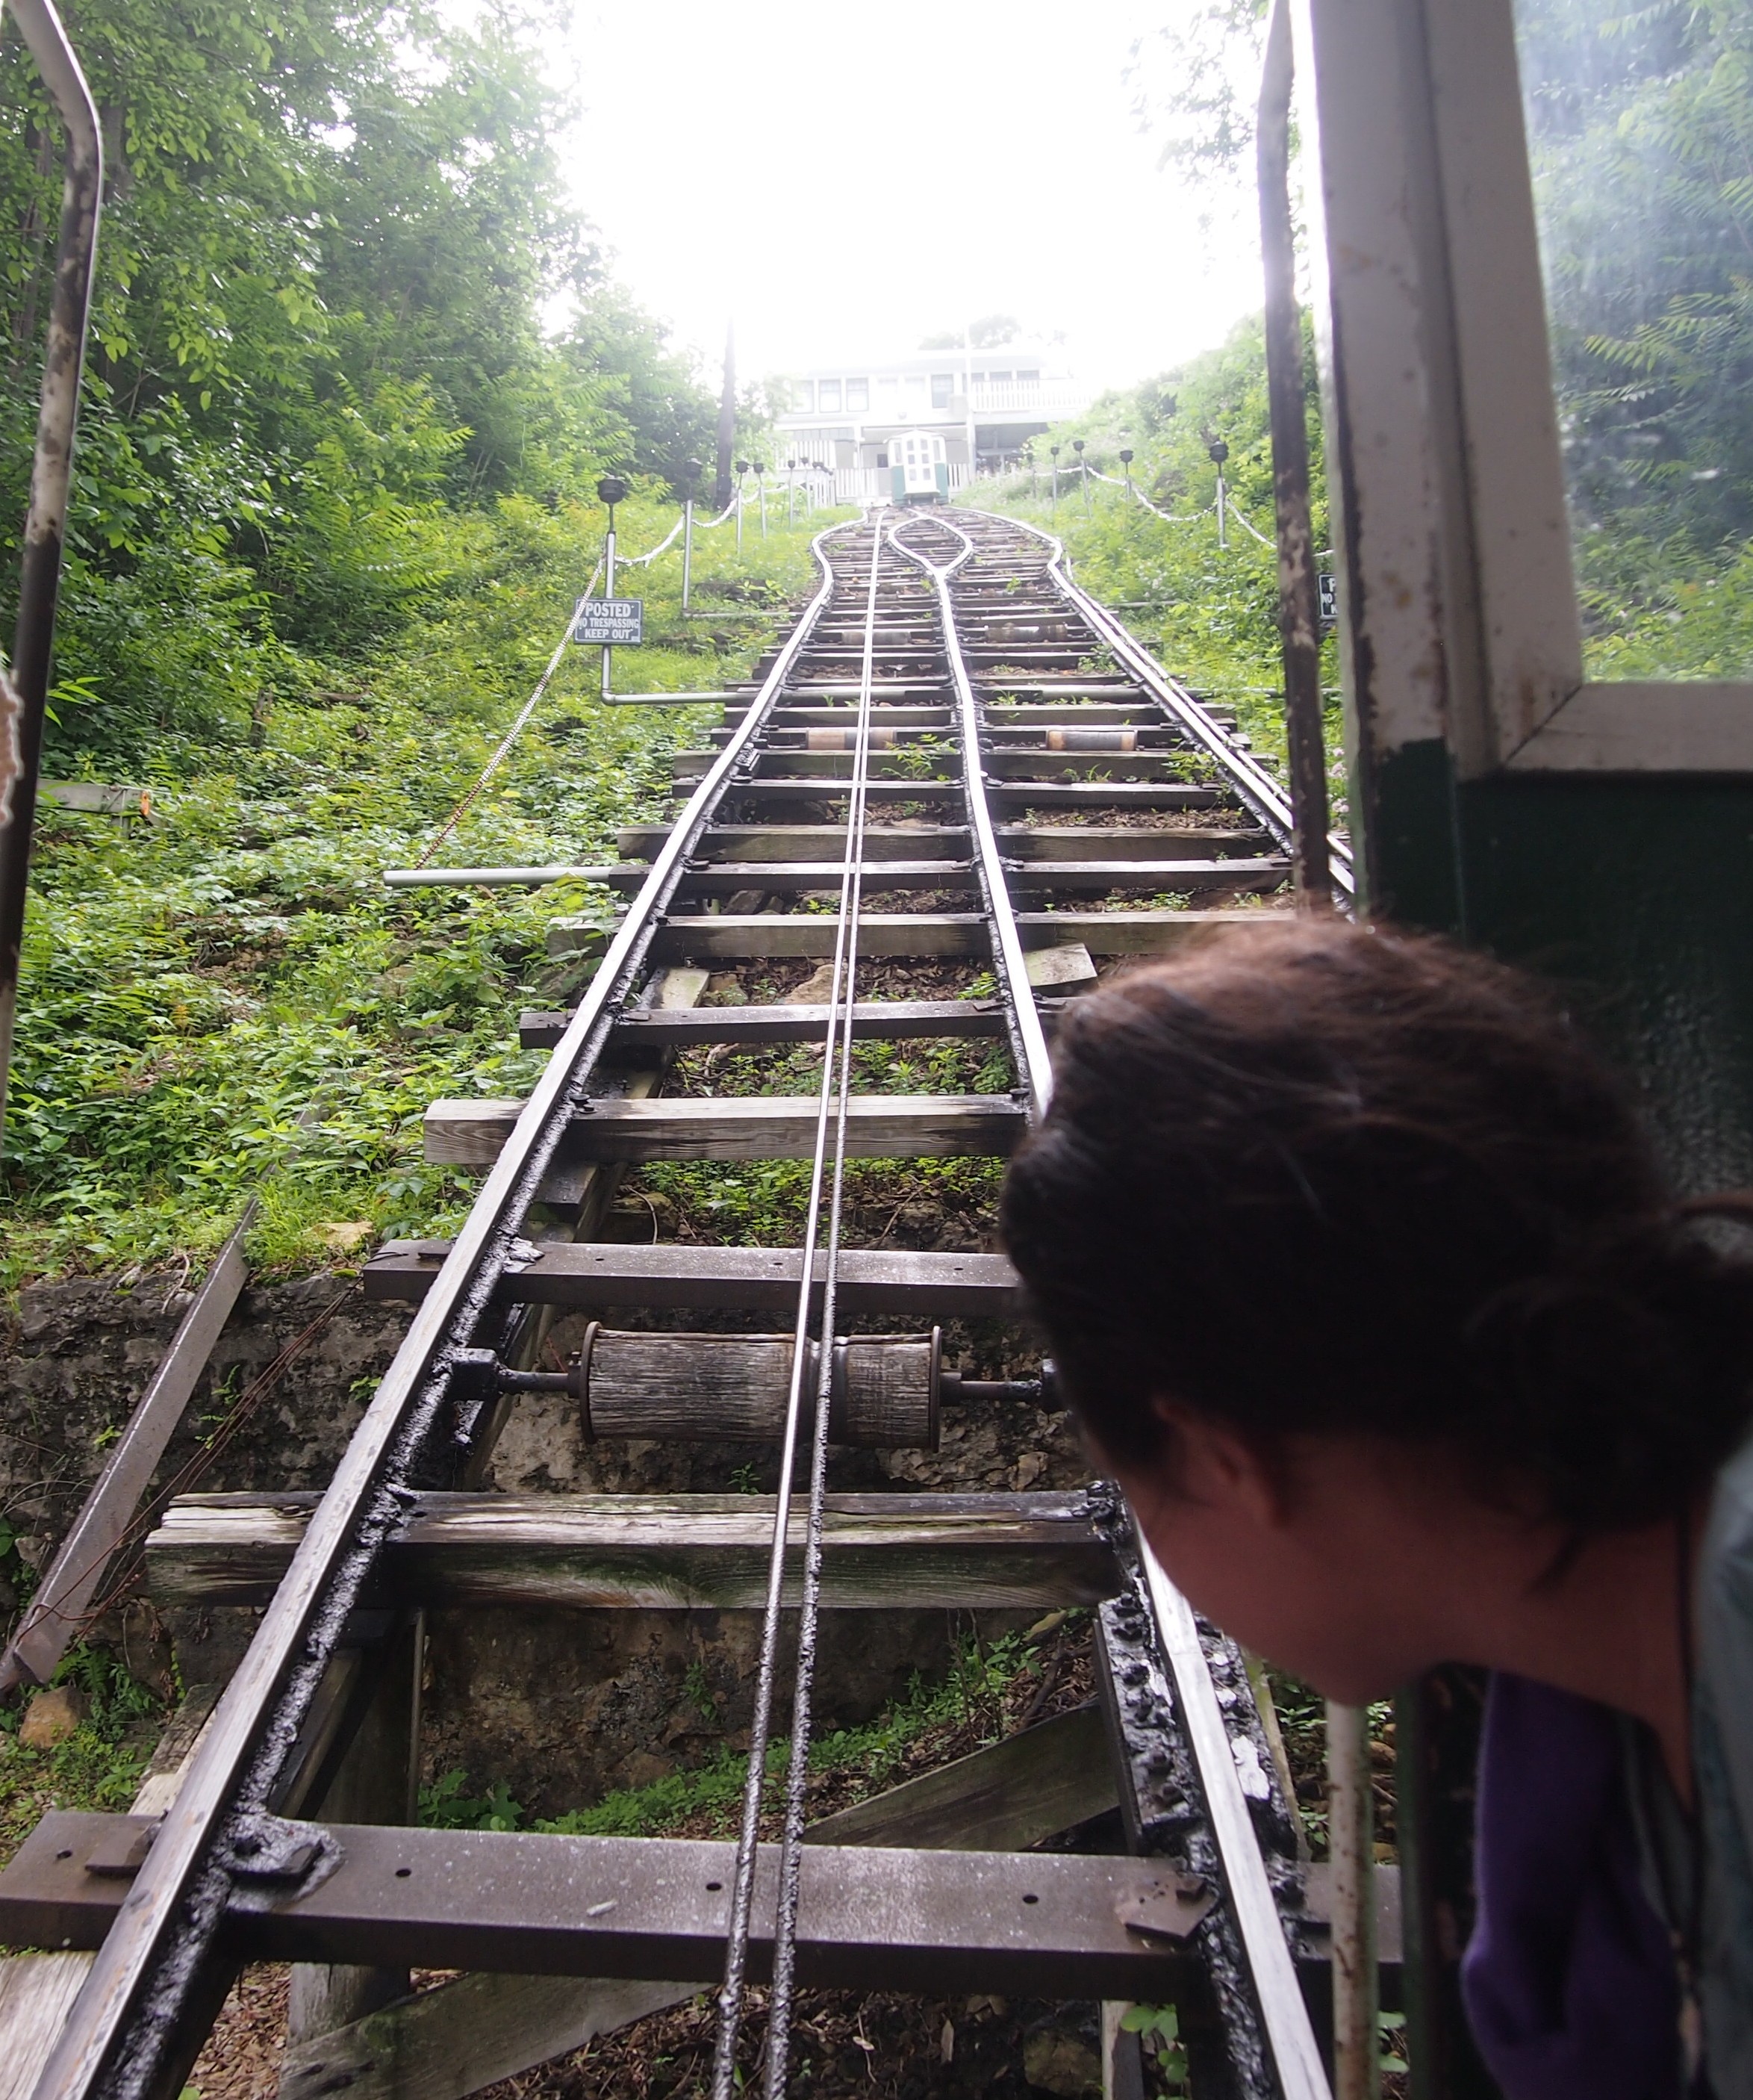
<point x="857" y="395"/>
<point x="882" y="459"/>
<point x="1028" y="378"/>
<point x="999" y="378"/>
<point x="829" y="392"/>
<point x="802" y="397"/>
<point x="943" y="385"/>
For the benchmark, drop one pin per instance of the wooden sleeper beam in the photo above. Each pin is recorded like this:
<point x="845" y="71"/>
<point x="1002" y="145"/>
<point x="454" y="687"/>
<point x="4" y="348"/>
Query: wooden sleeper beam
<point x="634" y="1552"/>
<point x="471" y="1133"/>
<point x="594" y="1273"/>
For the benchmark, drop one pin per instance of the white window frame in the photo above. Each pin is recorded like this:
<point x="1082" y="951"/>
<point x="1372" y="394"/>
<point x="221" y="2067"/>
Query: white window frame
<point x="1461" y="598"/>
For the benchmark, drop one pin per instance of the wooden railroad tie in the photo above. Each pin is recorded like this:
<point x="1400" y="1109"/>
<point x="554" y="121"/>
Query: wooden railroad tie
<point x="628" y="1552"/>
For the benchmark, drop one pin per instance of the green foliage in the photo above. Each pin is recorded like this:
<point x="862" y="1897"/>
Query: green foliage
<point x="189" y="986"/>
<point x="872" y="1753"/>
<point x="1159" y="2027"/>
<point x="1208" y="612"/>
<point x="1639" y="124"/>
<point x="1641" y="128"/>
<point x="99" y="1766"/>
<point x="333" y="241"/>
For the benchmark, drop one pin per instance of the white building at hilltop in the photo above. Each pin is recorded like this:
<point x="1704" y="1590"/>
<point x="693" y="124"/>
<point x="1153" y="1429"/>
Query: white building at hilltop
<point x="985" y="405"/>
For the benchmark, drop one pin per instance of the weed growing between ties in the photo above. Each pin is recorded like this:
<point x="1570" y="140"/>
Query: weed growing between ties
<point x="190" y="983"/>
<point x="99" y="1766"/>
<point x="991" y="1689"/>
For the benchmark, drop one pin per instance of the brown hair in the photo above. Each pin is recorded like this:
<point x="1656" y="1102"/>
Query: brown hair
<point x="1318" y="1175"/>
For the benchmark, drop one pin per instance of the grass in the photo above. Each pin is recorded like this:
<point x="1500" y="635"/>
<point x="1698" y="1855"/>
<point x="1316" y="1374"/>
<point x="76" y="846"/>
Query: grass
<point x="972" y="1706"/>
<point x="98" y="1767"/>
<point x="190" y="984"/>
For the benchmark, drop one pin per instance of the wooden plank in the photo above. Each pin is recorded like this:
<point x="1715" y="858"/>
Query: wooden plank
<point x="472" y="2030"/>
<point x="1129" y="932"/>
<point x="739" y="1127"/>
<point x="658" y="1552"/>
<point x="57" y="1614"/>
<point x="36" y="1991"/>
<point x="889" y="714"/>
<point x="464" y="2035"/>
<point x="781" y="791"/>
<point x="821" y="843"/>
<point x="735" y="937"/>
<point x="1002" y="1799"/>
<point x="1058" y="967"/>
<point x="1104" y="794"/>
<point x="584" y="1188"/>
<point x="789" y="876"/>
<point x="874" y="1020"/>
<point x="1188" y="875"/>
<point x="885" y="1918"/>
<point x="1078" y="842"/>
<point x="768" y="842"/>
<point x="628" y="878"/>
<point x="935" y="1286"/>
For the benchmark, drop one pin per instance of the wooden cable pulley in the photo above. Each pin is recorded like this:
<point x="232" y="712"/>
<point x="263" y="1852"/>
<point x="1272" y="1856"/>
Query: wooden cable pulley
<point x="732" y="1388"/>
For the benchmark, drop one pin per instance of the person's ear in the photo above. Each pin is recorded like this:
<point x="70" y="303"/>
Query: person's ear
<point x="1216" y="1467"/>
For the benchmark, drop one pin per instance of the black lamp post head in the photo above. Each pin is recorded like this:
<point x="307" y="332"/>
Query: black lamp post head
<point x="611" y="490"/>
<point x="1055" y="450"/>
<point x="743" y="466"/>
<point x="1216" y="452"/>
<point x="1126" y="456"/>
<point x="1078" y="446"/>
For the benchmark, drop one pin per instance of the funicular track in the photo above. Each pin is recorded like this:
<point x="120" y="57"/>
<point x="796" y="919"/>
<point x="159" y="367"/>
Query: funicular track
<point x="955" y="758"/>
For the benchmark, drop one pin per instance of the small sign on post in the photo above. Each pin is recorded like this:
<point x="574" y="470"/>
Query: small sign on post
<point x="1328" y="593"/>
<point x="612" y="622"/>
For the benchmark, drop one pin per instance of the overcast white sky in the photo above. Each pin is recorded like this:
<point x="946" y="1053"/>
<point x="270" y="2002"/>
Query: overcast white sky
<point x="847" y="179"/>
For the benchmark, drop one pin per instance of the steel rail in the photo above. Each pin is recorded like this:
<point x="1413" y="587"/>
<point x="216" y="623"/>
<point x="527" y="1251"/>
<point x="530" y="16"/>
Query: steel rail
<point x="732" y="1991"/>
<point x="126" y="2034"/>
<point x="1028" y="1041"/>
<point x="797" y="1774"/>
<point x="1284" y="2015"/>
<point x="24" y="694"/>
<point x="1246" y="775"/>
<point x="1296" y="2054"/>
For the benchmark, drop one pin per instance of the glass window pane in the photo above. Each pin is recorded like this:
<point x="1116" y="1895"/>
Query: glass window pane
<point x="858" y="393"/>
<point x="802" y="396"/>
<point x="1640" y="133"/>
<point x="829" y="392"/>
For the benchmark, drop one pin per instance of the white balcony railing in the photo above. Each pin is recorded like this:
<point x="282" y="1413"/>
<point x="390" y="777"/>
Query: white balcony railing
<point x="993" y="400"/>
<point x="1033" y="397"/>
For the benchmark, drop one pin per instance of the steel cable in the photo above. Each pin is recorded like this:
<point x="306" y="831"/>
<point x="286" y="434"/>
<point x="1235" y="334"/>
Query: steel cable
<point x="831" y="1097"/>
<point x="809" y="1605"/>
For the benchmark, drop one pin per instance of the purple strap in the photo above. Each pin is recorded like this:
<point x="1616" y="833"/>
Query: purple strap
<point x="1570" y="1980"/>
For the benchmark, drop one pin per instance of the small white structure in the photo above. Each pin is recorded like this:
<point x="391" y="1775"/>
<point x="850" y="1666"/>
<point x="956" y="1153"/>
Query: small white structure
<point x="918" y="470"/>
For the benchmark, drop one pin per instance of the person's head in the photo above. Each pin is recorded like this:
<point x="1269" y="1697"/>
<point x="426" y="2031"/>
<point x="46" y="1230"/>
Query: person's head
<point x="1328" y="1225"/>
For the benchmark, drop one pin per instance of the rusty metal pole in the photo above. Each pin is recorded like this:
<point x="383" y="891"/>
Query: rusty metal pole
<point x="1298" y="608"/>
<point x="24" y="696"/>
